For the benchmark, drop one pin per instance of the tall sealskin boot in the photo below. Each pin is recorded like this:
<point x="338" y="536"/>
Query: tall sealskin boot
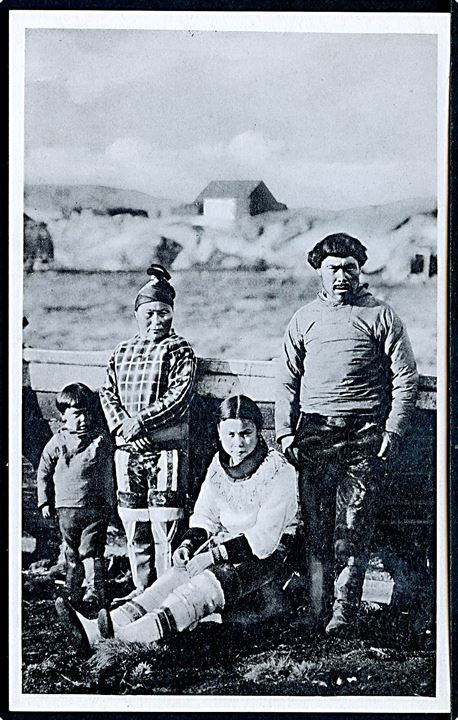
<point x="150" y="599"/>
<point x="343" y="621"/>
<point x="347" y="594"/>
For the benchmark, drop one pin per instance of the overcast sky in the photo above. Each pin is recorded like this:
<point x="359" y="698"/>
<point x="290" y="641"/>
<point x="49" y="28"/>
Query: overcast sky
<point x="326" y="120"/>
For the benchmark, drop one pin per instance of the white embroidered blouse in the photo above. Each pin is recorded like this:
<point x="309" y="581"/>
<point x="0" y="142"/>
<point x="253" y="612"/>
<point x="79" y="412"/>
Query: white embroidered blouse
<point x="262" y="506"/>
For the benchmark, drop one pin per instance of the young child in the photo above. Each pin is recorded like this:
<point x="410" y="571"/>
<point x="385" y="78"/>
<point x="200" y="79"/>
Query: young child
<point x="75" y="480"/>
<point x="148" y="387"/>
<point x="240" y="533"/>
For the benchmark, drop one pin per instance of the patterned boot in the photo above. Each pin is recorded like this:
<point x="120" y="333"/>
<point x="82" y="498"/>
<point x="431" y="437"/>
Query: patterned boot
<point x="188" y="603"/>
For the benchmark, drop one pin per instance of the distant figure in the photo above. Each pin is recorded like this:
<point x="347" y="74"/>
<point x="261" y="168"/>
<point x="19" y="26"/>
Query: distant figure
<point x="241" y="530"/>
<point x="167" y="251"/>
<point x="148" y="387"/>
<point x="346" y="392"/>
<point x="75" y="480"/>
<point x="38" y="244"/>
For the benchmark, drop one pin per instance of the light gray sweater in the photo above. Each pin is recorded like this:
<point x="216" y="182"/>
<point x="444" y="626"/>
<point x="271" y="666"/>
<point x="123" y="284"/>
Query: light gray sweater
<point x="340" y="360"/>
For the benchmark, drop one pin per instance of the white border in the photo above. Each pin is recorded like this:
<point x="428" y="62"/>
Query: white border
<point x="419" y="23"/>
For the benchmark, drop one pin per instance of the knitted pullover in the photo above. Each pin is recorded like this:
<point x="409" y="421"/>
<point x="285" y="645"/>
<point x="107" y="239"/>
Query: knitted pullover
<point x="76" y="472"/>
<point x="261" y="508"/>
<point x="345" y="359"/>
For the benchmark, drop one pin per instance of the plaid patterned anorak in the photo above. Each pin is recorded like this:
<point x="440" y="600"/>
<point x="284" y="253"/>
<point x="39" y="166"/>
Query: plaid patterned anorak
<point x="150" y="380"/>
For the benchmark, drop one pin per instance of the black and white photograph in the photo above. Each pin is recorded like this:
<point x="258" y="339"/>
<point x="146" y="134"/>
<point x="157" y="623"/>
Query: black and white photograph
<point x="228" y="293"/>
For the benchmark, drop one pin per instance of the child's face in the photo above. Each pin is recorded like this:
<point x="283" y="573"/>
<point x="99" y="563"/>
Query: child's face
<point x="238" y="438"/>
<point x="154" y="320"/>
<point x="76" y="420"/>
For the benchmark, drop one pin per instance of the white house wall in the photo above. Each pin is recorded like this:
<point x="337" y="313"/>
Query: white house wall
<point x="220" y="208"/>
<point x="225" y="209"/>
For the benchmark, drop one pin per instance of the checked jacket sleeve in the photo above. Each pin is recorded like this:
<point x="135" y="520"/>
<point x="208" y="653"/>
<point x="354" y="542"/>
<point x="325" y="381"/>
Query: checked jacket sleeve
<point x="174" y="402"/>
<point x="150" y="381"/>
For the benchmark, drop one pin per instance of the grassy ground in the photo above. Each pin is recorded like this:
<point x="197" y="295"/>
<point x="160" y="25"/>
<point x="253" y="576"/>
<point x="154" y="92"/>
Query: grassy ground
<point x="233" y="314"/>
<point x="278" y="655"/>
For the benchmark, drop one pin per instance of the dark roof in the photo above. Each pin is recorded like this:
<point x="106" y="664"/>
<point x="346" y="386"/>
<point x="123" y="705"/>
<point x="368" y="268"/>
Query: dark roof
<point x="229" y="189"/>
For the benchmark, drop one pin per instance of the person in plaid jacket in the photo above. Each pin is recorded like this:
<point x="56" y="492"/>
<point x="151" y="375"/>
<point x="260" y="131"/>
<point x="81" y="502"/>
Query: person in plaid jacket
<point x="148" y="387"/>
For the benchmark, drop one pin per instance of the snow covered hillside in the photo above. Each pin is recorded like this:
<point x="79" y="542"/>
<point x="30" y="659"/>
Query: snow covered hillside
<point x="98" y="228"/>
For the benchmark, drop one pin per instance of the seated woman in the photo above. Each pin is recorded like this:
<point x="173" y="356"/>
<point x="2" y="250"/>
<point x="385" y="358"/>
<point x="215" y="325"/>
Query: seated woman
<point x="242" y="525"/>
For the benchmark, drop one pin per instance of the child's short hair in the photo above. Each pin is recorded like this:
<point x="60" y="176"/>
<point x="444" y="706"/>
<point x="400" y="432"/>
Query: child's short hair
<point x="240" y="407"/>
<point x="75" y="395"/>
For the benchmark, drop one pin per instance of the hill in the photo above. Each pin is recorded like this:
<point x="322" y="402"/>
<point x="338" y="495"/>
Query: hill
<point x="51" y="202"/>
<point x="101" y="228"/>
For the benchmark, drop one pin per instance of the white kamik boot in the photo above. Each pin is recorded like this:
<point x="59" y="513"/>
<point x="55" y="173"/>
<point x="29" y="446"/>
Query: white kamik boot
<point x="186" y="604"/>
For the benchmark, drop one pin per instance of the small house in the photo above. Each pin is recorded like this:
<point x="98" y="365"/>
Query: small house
<point x="230" y="199"/>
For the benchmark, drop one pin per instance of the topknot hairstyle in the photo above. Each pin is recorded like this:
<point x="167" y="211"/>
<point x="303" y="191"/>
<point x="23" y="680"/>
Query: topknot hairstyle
<point x="339" y="245"/>
<point x="240" y="407"/>
<point x="76" y="395"/>
<point x="159" y="272"/>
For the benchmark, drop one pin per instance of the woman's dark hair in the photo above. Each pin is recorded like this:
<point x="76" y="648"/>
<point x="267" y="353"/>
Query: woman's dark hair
<point x="76" y="395"/>
<point x="339" y="245"/>
<point x="240" y="407"/>
<point x="159" y="272"/>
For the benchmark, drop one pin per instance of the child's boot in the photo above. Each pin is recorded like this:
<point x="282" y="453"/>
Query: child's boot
<point x="74" y="581"/>
<point x="94" y="570"/>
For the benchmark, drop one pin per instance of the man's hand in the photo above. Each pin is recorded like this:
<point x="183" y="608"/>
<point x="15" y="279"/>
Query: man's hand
<point x="46" y="512"/>
<point x="200" y="562"/>
<point x="181" y="556"/>
<point x="290" y="451"/>
<point x="130" y="428"/>
<point x="389" y="446"/>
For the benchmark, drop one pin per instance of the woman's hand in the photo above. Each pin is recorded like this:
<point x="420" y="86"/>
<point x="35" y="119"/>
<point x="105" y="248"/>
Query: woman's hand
<point x="181" y="556"/>
<point x="46" y="512"/>
<point x="130" y="428"/>
<point x="141" y="444"/>
<point x="200" y="562"/>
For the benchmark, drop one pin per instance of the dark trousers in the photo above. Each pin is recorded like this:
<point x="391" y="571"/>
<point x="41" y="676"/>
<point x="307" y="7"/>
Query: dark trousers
<point x="340" y="481"/>
<point x="240" y="580"/>
<point x="84" y="532"/>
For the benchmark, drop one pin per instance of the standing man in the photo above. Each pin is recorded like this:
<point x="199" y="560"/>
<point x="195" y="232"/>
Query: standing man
<point x="347" y="385"/>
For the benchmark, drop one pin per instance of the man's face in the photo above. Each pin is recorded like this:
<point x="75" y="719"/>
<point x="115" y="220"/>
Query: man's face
<point x="339" y="277"/>
<point x="154" y="320"/>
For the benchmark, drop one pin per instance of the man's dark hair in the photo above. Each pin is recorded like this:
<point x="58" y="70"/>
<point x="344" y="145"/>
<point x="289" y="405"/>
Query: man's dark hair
<point x="339" y="245"/>
<point x="76" y="395"/>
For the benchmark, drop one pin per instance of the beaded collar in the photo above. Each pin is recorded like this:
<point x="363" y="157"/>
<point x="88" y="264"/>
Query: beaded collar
<point x="248" y="466"/>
